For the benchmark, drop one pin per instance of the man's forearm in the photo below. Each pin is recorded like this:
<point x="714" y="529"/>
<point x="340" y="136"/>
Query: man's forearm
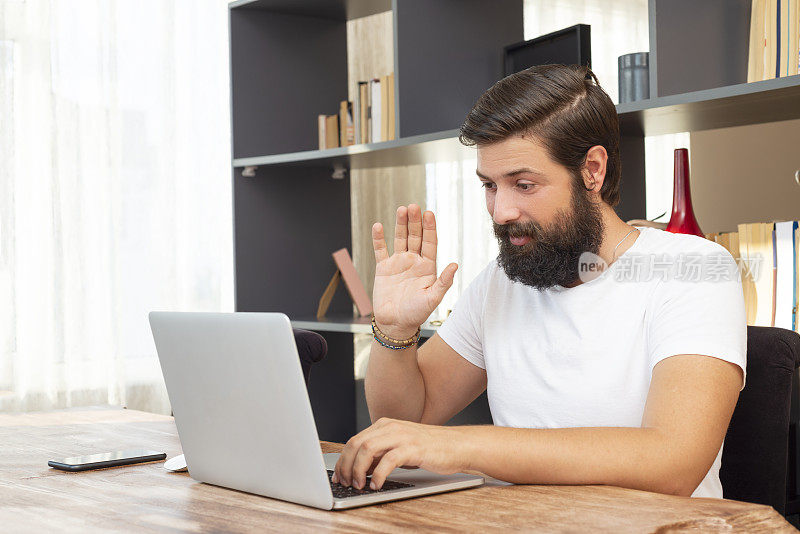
<point x="394" y="385"/>
<point x="638" y="458"/>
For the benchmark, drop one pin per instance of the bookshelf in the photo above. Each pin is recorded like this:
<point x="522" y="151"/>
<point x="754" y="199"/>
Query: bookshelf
<point x="288" y="64"/>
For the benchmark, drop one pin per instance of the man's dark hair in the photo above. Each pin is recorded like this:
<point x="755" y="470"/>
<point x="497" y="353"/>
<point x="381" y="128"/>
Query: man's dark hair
<point x="563" y="106"/>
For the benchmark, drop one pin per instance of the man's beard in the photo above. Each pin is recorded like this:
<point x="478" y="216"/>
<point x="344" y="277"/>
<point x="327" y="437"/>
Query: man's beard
<point x="552" y="255"/>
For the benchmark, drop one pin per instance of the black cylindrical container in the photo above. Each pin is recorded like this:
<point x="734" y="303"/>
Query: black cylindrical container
<point x="634" y="77"/>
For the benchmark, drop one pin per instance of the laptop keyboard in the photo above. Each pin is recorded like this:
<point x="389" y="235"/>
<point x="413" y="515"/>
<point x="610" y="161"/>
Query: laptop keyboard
<point x="342" y="492"/>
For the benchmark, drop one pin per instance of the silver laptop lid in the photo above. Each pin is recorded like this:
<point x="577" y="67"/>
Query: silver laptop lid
<point x="240" y="404"/>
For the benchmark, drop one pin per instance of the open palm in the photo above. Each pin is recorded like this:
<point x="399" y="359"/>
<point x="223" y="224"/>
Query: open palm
<point x="406" y="289"/>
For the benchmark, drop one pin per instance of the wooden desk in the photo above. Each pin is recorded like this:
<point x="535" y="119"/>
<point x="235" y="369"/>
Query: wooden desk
<point x="146" y="497"/>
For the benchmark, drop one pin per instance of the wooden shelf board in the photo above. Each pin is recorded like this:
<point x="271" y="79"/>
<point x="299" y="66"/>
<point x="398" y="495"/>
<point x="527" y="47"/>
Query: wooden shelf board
<point x="419" y="149"/>
<point x="354" y="325"/>
<point x="328" y="9"/>
<point x="735" y="105"/>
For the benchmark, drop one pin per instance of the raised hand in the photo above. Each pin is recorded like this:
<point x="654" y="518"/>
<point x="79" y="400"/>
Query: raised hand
<point x="406" y="289"/>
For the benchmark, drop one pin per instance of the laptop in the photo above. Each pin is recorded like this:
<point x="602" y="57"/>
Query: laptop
<point x="244" y="418"/>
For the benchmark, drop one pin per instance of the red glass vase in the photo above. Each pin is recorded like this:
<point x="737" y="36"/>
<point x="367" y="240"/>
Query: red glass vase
<point x="682" y="220"/>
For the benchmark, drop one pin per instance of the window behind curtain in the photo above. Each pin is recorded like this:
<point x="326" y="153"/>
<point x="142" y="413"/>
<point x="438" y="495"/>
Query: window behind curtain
<point x="114" y="195"/>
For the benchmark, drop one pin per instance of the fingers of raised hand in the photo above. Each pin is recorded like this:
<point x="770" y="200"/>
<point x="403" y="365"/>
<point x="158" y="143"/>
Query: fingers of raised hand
<point x="401" y="230"/>
<point x="446" y="278"/>
<point x="429" y="236"/>
<point x="379" y="243"/>
<point x="414" y="228"/>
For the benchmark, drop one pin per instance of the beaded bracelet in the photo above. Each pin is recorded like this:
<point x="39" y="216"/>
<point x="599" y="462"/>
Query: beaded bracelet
<point x="391" y="343"/>
<point x="376" y="338"/>
<point x="377" y="331"/>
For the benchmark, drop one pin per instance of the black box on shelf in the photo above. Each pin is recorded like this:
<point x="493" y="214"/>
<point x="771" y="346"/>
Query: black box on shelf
<point x="570" y="46"/>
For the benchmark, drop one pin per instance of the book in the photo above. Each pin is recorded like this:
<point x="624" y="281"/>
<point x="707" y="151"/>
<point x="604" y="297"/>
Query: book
<point x="733" y="243"/>
<point x="788" y="30"/>
<point x="758" y="42"/>
<point x="756" y="250"/>
<point x="384" y="108"/>
<point x="772" y="40"/>
<point x="765" y="282"/>
<point x="321" y="128"/>
<point x="347" y="135"/>
<point x="785" y="291"/>
<point x="796" y="307"/>
<point x="331" y="131"/>
<point x="392" y="107"/>
<point x="774" y="47"/>
<point x="343" y="123"/>
<point x="771" y="236"/>
<point x="794" y="37"/>
<point x="724" y="239"/>
<point x="375" y="110"/>
<point x="749" y="271"/>
<point x="357" y="117"/>
<point x="730" y="240"/>
<point x="363" y="111"/>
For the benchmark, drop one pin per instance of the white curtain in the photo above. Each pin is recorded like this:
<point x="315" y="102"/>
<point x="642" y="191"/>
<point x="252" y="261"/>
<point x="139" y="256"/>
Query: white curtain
<point x="114" y="192"/>
<point x="464" y="228"/>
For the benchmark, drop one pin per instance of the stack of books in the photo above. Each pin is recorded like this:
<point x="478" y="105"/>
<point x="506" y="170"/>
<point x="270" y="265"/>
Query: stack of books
<point x="768" y="255"/>
<point x="337" y="130"/>
<point x="371" y="119"/>
<point x="774" y="39"/>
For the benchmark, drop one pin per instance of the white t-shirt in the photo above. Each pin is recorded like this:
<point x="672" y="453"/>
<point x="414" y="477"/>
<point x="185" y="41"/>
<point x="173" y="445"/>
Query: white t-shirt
<point x="584" y="356"/>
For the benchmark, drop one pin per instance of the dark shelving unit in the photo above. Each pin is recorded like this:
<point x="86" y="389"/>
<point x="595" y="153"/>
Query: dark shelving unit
<point x="288" y="64"/>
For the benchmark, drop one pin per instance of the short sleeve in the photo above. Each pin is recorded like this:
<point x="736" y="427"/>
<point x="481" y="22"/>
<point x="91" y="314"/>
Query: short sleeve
<point x="701" y="316"/>
<point x="463" y="328"/>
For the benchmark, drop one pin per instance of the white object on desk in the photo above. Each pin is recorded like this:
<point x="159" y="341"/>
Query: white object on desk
<point x="176" y="464"/>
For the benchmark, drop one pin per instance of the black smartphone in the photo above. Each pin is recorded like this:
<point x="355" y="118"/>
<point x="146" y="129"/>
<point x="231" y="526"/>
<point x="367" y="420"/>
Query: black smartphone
<point x="107" y="459"/>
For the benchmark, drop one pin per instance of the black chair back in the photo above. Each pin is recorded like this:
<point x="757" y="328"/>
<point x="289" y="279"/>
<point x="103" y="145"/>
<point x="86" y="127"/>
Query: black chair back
<point x="311" y="348"/>
<point x="755" y="454"/>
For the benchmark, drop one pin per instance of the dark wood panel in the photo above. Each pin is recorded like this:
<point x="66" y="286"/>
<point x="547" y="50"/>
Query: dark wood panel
<point x="632" y="188"/>
<point x="287" y="223"/>
<point x="449" y="52"/>
<point x="285" y="70"/>
<point x="699" y="44"/>
<point x="328" y="9"/>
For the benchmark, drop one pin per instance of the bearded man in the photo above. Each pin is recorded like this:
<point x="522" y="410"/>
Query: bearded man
<point x="623" y="370"/>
